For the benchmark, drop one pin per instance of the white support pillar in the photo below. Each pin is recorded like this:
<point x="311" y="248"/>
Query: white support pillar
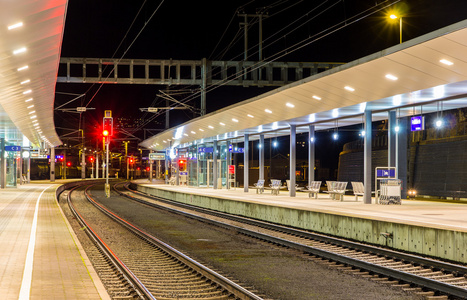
<point x="97" y="165"/>
<point x="214" y="165"/>
<point x="402" y="149"/>
<point x="261" y="157"/>
<point x="246" y="163"/>
<point x="151" y="162"/>
<point x="228" y="158"/>
<point x="52" y="164"/>
<point x="392" y="139"/>
<point x="367" y="158"/>
<point x="177" y="170"/>
<point x="311" y="154"/>
<point x="293" y="159"/>
<point x="83" y="164"/>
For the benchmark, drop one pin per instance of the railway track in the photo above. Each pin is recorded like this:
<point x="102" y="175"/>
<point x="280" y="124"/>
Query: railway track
<point x="423" y="275"/>
<point x="134" y="264"/>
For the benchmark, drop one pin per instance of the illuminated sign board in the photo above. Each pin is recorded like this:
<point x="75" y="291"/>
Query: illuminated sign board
<point x="417" y="123"/>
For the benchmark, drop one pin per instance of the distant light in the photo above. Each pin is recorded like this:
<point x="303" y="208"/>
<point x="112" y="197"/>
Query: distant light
<point x="222" y="123"/>
<point x="397" y="128"/>
<point x="335" y="136"/>
<point x="312" y="139"/>
<point x="393" y="17"/>
<point x="397" y="100"/>
<point x="26" y="81"/>
<point x="316" y="97"/>
<point x="446" y="62"/>
<point x="349" y="88"/>
<point x="274" y="144"/>
<point x="439" y="123"/>
<point x="23" y="68"/>
<point x="27" y="92"/>
<point x="260" y="146"/>
<point x="290" y="105"/>
<point x="335" y="113"/>
<point x="268" y="111"/>
<point x="235" y="120"/>
<point x="19" y="51"/>
<point x="250" y="116"/>
<point x="362" y="133"/>
<point x="391" y="77"/>
<point x="28" y="100"/>
<point x="211" y="127"/>
<point x="17" y="25"/>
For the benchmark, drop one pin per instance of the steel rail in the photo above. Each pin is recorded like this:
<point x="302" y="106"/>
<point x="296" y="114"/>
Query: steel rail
<point x="232" y="287"/>
<point x="134" y="282"/>
<point x="400" y="275"/>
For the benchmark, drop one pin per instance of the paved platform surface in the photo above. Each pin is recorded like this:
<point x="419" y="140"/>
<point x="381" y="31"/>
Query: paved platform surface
<point x="451" y="216"/>
<point x="40" y="257"/>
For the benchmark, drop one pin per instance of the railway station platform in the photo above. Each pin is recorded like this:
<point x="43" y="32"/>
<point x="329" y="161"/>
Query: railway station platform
<point x="435" y="229"/>
<point x="40" y="256"/>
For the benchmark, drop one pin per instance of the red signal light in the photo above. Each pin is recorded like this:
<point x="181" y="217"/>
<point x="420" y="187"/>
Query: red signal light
<point x="91" y="159"/>
<point x="181" y="162"/>
<point x="147" y="169"/>
<point x="68" y="164"/>
<point x="105" y="133"/>
<point x="131" y="160"/>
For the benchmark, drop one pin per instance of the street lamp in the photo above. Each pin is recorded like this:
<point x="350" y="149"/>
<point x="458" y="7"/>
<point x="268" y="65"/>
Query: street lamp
<point x="394" y="17"/>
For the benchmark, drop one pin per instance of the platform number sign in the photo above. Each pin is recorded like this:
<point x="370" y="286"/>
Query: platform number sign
<point x="12" y="148"/>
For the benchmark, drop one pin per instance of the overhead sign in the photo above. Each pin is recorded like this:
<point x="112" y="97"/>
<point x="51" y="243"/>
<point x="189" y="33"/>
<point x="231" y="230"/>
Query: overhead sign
<point x="417" y="123"/>
<point x="238" y="150"/>
<point x="12" y="148"/>
<point x="205" y="149"/>
<point x="156" y="156"/>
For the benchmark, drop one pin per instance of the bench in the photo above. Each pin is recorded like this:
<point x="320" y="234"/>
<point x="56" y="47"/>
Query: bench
<point x="288" y="185"/>
<point x="172" y="180"/>
<point x="275" y="186"/>
<point x="336" y="189"/>
<point x="313" y="188"/>
<point x="259" y="186"/>
<point x="358" y="189"/>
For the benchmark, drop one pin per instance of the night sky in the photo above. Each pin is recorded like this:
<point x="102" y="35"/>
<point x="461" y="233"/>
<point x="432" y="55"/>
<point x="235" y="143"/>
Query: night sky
<point x="193" y="30"/>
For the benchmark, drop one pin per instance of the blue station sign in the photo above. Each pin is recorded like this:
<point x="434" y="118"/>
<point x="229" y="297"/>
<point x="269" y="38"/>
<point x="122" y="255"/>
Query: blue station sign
<point x="205" y="149"/>
<point x="385" y="173"/>
<point x="417" y="123"/>
<point x="12" y="148"/>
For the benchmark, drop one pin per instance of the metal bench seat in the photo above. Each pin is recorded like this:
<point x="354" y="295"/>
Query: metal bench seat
<point x="313" y="188"/>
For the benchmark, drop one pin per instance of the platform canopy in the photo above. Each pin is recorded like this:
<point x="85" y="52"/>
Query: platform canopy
<point x="31" y="34"/>
<point x="412" y="78"/>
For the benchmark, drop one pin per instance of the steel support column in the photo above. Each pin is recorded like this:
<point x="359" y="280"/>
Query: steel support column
<point x="2" y="164"/>
<point x="311" y="154"/>
<point x="83" y="164"/>
<point x="392" y="138"/>
<point x="214" y="165"/>
<point x="228" y="158"/>
<point x="367" y="157"/>
<point x="151" y="162"/>
<point x="402" y="149"/>
<point x="246" y="163"/>
<point x="177" y="170"/>
<point x="293" y="159"/>
<point x="52" y="164"/>
<point x="261" y="157"/>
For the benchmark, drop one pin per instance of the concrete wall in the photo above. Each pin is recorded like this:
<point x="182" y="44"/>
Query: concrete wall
<point x="434" y="242"/>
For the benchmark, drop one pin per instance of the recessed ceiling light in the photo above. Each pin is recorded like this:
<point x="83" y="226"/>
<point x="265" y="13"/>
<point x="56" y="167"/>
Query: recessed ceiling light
<point x="316" y="97"/>
<point x="446" y="62"/>
<point x="19" y="51"/>
<point x="165" y="141"/>
<point x="290" y="105"/>
<point x="31" y="106"/>
<point x="33" y="117"/>
<point x="28" y="100"/>
<point x="23" y="68"/>
<point x="32" y="112"/>
<point x="222" y="123"/>
<point x="193" y="132"/>
<point x="211" y="127"/>
<point x="201" y="129"/>
<point x="268" y="111"/>
<point x="391" y="77"/>
<point x="185" y="134"/>
<point x="235" y="120"/>
<point x="349" y="88"/>
<point x="35" y="121"/>
<point x="26" y="81"/>
<point x="17" y="25"/>
<point x="250" y="116"/>
<point x="27" y="92"/>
